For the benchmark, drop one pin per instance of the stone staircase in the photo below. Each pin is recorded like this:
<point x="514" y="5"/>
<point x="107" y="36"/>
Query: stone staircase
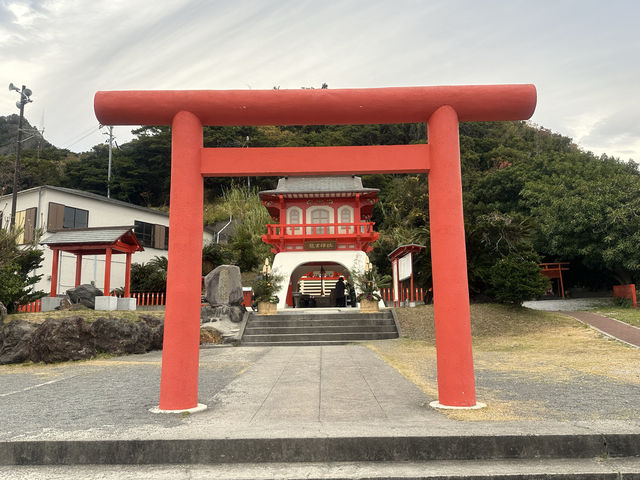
<point x="319" y="328"/>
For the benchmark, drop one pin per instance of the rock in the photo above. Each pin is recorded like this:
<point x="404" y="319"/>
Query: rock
<point x="3" y="314"/>
<point x="120" y="336"/>
<point x="224" y="286"/>
<point x="234" y="313"/>
<point x="157" y="330"/>
<point x="16" y="338"/>
<point x="65" y="303"/>
<point x="62" y="339"/>
<point x="84" y="294"/>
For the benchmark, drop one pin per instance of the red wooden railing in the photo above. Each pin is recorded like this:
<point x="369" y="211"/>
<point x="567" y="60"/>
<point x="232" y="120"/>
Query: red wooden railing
<point x="35" y="306"/>
<point x="320" y="230"/>
<point x="404" y="295"/>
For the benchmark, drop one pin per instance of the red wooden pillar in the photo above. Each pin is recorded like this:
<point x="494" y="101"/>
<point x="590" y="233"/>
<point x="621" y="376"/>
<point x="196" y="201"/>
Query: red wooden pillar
<point x="107" y="271"/>
<point x="180" y="355"/>
<point x="127" y="276"/>
<point x="78" y="269"/>
<point x="54" y="271"/>
<point x="456" y="381"/>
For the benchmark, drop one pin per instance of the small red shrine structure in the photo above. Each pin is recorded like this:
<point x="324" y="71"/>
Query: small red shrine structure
<point x="402" y="268"/>
<point x="323" y="225"/>
<point x="554" y="271"/>
<point x="93" y="241"/>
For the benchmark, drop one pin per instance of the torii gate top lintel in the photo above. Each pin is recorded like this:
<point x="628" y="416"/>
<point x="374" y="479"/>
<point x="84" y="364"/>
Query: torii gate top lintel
<point x="316" y="106"/>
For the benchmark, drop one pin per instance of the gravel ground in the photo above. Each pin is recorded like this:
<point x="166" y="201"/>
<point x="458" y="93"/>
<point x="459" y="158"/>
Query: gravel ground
<point x="567" y="305"/>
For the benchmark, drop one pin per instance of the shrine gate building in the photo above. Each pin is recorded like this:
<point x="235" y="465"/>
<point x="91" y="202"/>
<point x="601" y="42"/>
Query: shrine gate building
<point x="322" y="230"/>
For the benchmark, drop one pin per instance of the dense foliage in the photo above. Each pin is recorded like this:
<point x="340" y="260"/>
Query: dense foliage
<point x="530" y="195"/>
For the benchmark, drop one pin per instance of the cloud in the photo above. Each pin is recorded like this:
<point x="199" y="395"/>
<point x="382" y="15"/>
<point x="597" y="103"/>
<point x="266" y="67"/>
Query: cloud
<point x="578" y="54"/>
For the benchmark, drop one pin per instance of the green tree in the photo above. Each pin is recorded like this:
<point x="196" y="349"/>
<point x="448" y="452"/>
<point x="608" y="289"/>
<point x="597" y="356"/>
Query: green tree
<point x="16" y="265"/>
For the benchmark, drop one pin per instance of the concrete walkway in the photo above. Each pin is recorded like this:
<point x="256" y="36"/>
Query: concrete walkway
<point x="251" y="392"/>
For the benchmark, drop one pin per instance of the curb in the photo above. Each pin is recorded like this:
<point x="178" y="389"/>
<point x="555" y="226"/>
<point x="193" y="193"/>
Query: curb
<point x="346" y="449"/>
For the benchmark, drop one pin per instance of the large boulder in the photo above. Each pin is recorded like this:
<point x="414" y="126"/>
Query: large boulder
<point x="224" y="286"/>
<point x="62" y="339"/>
<point x="16" y="337"/>
<point x="157" y="330"/>
<point x="120" y="336"/>
<point x="84" y="294"/>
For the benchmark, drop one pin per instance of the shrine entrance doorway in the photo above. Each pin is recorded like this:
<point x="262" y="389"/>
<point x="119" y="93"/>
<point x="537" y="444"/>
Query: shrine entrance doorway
<point x="312" y="284"/>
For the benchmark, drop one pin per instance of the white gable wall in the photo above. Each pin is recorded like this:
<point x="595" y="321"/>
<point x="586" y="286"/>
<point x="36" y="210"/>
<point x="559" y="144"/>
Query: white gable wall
<point x="102" y="213"/>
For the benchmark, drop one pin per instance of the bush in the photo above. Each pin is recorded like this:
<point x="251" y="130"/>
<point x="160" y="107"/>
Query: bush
<point x="516" y="278"/>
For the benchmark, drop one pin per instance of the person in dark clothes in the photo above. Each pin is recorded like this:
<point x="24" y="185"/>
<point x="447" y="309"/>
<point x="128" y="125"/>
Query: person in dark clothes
<point x="340" y="298"/>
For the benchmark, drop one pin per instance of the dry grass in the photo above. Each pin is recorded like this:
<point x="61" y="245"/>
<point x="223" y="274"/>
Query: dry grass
<point x="515" y="342"/>
<point x="87" y="314"/>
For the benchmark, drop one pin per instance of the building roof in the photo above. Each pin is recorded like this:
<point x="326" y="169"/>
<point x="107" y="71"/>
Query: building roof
<point x="349" y="184"/>
<point x="94" y="240"/>
<point x="94" y="196"/>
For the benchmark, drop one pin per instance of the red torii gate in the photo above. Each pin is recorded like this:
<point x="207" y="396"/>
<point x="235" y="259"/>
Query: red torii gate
<point x="440" y="107"/>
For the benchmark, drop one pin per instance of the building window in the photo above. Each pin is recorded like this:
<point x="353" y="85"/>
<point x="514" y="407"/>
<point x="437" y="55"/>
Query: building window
<point x="152" y="236"/>
<point x="320" y="215"/>
<point x="345" y="214"/>
<point x="61" y="216"/>
<point x="26" y="220"/>
<point x="294" y="217"/>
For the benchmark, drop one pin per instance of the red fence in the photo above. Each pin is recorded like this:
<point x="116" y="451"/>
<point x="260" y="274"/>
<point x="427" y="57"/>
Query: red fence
<point x="35" y="306"/>
<point x="149" y="299"/>
<point x="626" y="291"/>
<point x="404" y="295"/>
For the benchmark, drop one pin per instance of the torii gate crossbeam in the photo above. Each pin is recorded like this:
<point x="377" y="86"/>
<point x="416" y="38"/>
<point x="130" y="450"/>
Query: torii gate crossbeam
<point x="440" y="107"/>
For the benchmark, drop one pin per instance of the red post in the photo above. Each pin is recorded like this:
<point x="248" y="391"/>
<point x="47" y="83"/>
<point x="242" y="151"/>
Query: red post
<point x="54" y="271"/>
<point x="180" y="355"/>
<point x="127" y="276"/>
<point x="456" y="381"/>
<point x="78" y="269"/>
<point x="107" y="272"/>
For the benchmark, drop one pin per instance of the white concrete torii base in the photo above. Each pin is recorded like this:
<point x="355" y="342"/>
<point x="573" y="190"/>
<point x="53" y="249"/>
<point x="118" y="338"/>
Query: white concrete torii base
<point x="285" y="263"/>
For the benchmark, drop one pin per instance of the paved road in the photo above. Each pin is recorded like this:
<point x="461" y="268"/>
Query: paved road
<point x="610" y="326"/>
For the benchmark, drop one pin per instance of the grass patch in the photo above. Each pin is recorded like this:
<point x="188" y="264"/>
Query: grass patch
<point x="88" y="315"/>
<point x="624" y="314"/>
<point x="535" y="347"/>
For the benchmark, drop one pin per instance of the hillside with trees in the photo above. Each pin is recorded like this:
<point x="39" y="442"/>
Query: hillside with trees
<point x="530" y="195"/>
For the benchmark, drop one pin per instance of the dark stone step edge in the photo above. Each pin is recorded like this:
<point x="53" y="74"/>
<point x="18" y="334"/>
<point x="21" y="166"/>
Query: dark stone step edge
<point x="331" y="449"/>
<point x="251" y="330"/>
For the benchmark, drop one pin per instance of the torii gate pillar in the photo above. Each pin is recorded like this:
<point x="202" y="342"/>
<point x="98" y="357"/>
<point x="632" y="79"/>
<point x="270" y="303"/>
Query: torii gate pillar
<point x="441" y="107"/>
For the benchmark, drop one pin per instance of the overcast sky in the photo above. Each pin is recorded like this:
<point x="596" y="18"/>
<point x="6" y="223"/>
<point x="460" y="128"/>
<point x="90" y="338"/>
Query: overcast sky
<point x="583" y="56"/>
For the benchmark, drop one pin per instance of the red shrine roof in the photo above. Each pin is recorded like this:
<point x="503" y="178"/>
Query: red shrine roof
<point x="94" y="241"/>
<point x="304" y="187"/>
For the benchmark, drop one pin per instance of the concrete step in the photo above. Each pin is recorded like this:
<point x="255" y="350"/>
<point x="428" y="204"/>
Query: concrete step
<point x="339" y="315"/>
<point x="625" y="468"/>
<point x="452" y="448"/>
<point x="311" y="337"/>
<point x="293" y="329"/>
<point x="320" y="322"/>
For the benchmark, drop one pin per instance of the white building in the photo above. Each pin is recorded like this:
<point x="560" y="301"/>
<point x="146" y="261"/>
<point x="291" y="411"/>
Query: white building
<point x="48" y="209"/>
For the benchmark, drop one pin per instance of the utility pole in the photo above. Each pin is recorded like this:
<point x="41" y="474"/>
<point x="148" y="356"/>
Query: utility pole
<point x="110" y="159"/>
<point x="25" y="93"/>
